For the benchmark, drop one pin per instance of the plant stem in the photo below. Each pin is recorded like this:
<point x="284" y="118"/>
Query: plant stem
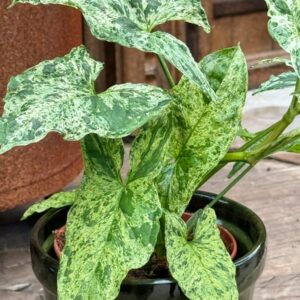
<point x="166" y="71"/>
<point x="229" y="186"/>
<point x="235" y="156"/>
<point x="48" y="243"/>
<point x="160" y="248"/>
<point x="287" y="119"/>
<point x="260" y="135"/>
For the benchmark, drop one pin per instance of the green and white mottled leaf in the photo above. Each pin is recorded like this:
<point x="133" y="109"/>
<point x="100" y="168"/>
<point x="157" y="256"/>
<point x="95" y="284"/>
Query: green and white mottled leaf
<point x="113" y="226"/>
<point x="203" y="132"/>
<point x="130" y="23"/>
<point x="281" y="81"/>
<point x="284" y="27"/>
<point x="202" y="266"/>
<point x="148" y="150"/>
<point x="58" y="95"/>
<point x="56" y="201"/>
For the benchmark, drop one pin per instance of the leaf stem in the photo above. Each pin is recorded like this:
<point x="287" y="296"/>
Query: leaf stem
<point x="236" y="156"/>
<point x="166" y="71"/>
<point x="287" y="119"/>
<point x="260" y="135"/>
<point x="229" y="186"/>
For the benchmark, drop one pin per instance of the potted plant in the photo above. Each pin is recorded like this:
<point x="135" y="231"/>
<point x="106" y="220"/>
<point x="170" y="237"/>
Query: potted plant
<point x="115" y="224"/>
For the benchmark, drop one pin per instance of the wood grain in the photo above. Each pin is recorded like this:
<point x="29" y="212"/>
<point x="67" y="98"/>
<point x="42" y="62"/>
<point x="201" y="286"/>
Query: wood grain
<point x="271" y="190"/>
<point x="224" y="8"/>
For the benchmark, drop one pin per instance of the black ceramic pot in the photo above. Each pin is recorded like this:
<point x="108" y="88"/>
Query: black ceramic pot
<point x="243" y="223"/>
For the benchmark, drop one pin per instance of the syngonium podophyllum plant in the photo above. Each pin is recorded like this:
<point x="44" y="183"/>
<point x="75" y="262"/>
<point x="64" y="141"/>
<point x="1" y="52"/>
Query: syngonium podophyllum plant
<point x="115" y="224"/>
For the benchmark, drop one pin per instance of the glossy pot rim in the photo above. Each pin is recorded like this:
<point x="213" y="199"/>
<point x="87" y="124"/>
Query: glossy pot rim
<point x="256" y="248"/>
<point x="261" y="240"/>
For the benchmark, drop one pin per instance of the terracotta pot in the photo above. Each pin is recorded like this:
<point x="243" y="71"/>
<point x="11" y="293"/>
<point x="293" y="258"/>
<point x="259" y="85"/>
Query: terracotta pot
<point x="246" y="226"/>
<point x="29" y="35"/>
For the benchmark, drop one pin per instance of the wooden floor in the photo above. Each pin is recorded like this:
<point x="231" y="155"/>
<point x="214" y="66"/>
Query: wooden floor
<point x="271" y="190"/>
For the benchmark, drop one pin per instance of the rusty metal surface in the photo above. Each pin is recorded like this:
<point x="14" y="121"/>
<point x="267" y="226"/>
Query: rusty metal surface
<point x="30" y="34"/>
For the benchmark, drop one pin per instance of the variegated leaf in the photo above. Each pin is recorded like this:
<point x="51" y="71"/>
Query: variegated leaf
<point x="130" y="23"/>
<point x="56" y="201"/>
<point x="148" y="150"/>
<point x="201" y="266"/>
<point x="281" y="81"/>
<point x="284" y="27"/>
<point x="58" y="95"/>
<point x="113" y="226"/>
<point x="202" y="132"/>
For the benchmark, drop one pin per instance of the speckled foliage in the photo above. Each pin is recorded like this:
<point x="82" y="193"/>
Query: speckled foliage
<point x="58" y="95"/>
<point x="130" y="23"/>
<point x="284" y="26"/>
<point x="202" y="266"/>
<point x="280" y="81"/>
<point x="202" y="132"/>
<point x="58" y="200"/>
<point x="113" y="225"/>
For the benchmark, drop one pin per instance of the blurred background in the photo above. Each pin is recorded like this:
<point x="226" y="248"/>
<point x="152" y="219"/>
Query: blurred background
<point x="30" y="34"/>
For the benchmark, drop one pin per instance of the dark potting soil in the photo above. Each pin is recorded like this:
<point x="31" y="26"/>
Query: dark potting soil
<point x="157" y="267"/>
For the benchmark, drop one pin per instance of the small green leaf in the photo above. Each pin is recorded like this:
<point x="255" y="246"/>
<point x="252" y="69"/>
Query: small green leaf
<point x="56" y="201"/>
<point x="281" y="81"/>
<point x="202" y="266"/>
<point x="203" y="132"/>
<point x="284" y="27"/>
<point x="112" y="227"/>
<point x="130" y="23"/>
<point x="236" y="168"/>
<point x="58" y="95"/>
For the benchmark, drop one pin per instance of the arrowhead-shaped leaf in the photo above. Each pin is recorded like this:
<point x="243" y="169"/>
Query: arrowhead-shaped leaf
<point x="56" y="201"/>
<point x="201" y="266"/>
<point x="202" y="132"/>
<point x="112" y="227"/>
<point x="284" y="27"/>
<point x="58" y="95"/>
<point x="130" y="23"/>
<point x="281" y="81"/>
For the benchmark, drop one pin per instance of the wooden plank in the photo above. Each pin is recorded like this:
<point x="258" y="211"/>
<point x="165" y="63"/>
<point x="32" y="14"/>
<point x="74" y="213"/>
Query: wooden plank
<point x="252" y="32"/>
<point x="225" y="8"/>
<point x="133" y="65"/>
<point x="221" y="38"/>
<point x="271" y="189"/>
<point x="104" y="52"/>
<point x="261" y="73"/>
